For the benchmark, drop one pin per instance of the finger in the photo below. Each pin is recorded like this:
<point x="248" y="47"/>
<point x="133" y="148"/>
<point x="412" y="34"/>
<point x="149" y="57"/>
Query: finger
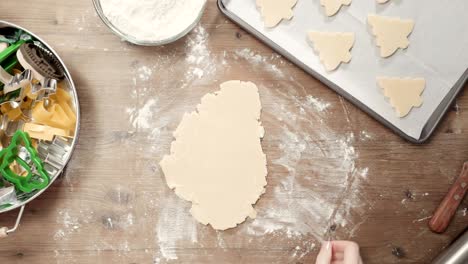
<point x="337" y="255"/>
<point x="341" y="245"/>
<point x="351" y="254"/>
<point x="325" y="254"/>
<point x="337" y="262"/>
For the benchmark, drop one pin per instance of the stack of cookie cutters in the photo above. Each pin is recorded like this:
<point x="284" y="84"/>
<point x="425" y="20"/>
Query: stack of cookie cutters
<point x="52" y="155"/>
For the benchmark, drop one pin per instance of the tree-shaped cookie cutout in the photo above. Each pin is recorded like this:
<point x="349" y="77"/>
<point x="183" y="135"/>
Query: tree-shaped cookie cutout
<point x="404" y="94"/>
<point x="333" y="48"/>
<point x="273" y="11"/>
<point x="332" y="6"/>
<point x="391" y="33"/>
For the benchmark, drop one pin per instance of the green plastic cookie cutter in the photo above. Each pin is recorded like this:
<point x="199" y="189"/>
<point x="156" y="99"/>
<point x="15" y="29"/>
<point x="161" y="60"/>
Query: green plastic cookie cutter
<point x="36" y="177"/>
<point x="10" y="50"/>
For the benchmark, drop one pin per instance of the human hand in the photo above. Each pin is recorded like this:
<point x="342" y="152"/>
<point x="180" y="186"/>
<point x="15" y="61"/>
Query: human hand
<point x="339" y="252"/>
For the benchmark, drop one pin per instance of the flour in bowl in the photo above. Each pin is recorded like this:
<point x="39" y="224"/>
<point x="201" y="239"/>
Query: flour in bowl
<point x="152" y="20"/>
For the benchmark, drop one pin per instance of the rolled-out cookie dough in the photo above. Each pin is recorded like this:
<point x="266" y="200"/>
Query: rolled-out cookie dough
<point x="333" y="6"/>
<point x="391" y="33"/>
<point x="273" y="11"/>
<point x="216" y="160"/>
<point x="404" y="94"/>
<point x="333" y="48"/>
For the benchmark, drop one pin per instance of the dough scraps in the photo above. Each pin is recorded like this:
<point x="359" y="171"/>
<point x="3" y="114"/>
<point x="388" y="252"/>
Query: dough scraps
<point x="216" y="159"/>
<point x="333" y="48"/>
<point x="404" y="94"/>
<point x="382" y="1"/>
<point x="333" y="6"/>
<point x="391" y="33"/>
<point x="273" y="11"/>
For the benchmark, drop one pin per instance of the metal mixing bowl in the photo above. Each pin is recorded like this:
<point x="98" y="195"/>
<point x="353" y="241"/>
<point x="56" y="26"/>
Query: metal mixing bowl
<point x="131" y="39"/>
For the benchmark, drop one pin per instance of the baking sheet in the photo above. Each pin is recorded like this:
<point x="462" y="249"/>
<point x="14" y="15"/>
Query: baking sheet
<point x="437" y="52"/>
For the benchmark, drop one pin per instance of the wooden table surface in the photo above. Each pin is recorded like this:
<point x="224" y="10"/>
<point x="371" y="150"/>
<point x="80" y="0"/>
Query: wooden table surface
<point x="328" y="161"/>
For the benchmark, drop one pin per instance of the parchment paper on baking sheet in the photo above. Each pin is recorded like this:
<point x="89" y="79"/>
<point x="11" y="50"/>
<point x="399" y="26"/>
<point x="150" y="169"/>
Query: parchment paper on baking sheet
<point x="438" y="49"/>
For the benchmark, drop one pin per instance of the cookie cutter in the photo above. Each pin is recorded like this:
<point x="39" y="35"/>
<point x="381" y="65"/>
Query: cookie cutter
<point x="32" y="175"/>
<point x="7" y="196"/>
<point x="14" y="82"/>
<point x="9" y="126"/>
<point x="41" y="74"/>
<point x="5" y="54"/>
<point x="55" y="111"/>
<point x="45" y="68"/>
<point x="42" y="132"/>
<point x="54" y="153"/>
<point x="11" y="112"/>
<point x="17" y="81"/>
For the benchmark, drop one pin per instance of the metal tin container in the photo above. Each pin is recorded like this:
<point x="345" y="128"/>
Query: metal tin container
<point x="54" y="166"/>
<point x="131" y="39"/>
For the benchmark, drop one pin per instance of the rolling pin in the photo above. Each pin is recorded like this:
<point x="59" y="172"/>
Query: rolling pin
<point x="447" y="208"/>
<point x="457" y="253"/>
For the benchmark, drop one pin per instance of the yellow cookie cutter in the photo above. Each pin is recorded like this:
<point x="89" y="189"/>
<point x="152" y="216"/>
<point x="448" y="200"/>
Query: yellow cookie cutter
<point x="55" y="111"/>
<point x="13" y="114"/>
<point x="43" y="132"/>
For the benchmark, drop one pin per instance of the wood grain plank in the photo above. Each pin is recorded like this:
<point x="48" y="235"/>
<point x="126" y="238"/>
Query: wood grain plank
<point x="112" y="204"/>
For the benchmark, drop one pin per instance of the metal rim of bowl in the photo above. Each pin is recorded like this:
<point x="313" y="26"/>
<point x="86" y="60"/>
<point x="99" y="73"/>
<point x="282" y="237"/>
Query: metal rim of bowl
<point x="131" y="39"/>
<point x="77" y="109"/>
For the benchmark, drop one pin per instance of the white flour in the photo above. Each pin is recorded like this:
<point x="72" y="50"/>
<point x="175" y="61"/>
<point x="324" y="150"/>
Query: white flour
<point x="144" y="73"/>
<point x="318" y="104"/>
<point x="258" y="60"/>
<point x="175" y="224"/>
<point x="334" y="158"/>
<point x="141" y="117"/>
<point x="152" y="20"/>
<point x="199" y="61"/>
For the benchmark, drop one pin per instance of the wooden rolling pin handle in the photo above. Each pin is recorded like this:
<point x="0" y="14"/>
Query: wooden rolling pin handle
<point x="447" y="208"/>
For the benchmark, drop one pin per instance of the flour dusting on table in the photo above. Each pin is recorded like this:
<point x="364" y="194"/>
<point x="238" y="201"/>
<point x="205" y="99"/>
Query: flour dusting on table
<point x="174" y="224"/>
<point x="258" y="60"/>
<point x="141" y="117"/>
<point x="305" y="137"/>
<point x="305" y="155"/>
<point x="199" y="60"/>
<point x="318" y="104"/>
